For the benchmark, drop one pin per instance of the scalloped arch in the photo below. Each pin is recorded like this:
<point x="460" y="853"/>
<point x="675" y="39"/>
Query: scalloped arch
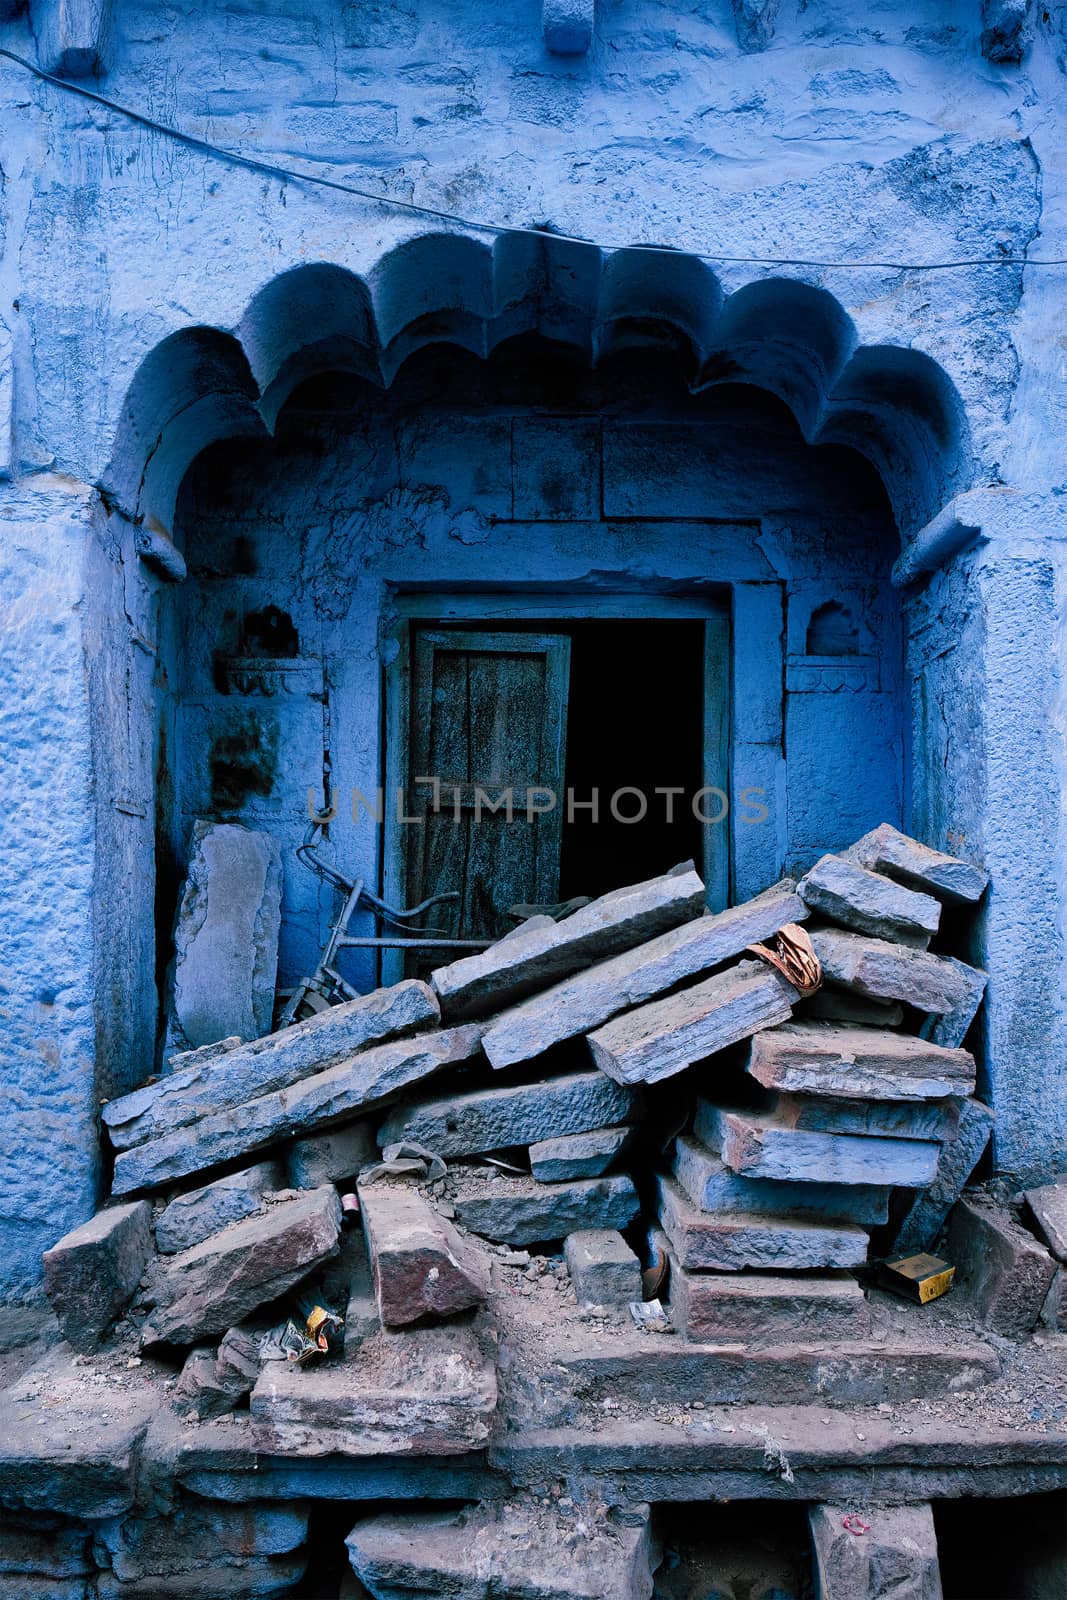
<point x="204" y="384"/>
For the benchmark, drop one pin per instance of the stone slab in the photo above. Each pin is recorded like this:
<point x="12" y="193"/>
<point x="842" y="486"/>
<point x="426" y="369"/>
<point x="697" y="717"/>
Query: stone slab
<point x="590" y="998"/>
<point x="760" y="1308"/>
<point x="887" y="971"/>
<point x="831" y="1004"/>
<point x="421" y="1265"/>
<point x="328" y="1097"/>
<point x="195" y="1534"/>
<point x="425" y="1391"/>
<point x="225" y="938"/>
<point x="207" y="1289"/>
<point x="758" y="1145"/>
<point x="731" y="1242"/>
<point x="521" y="1211"/>
<point x="522" y="1114"/>
<point x="951" y="1027"/>
<point x="850" y="895"/>
<point x="578" y="1155"/>
<point x="712" y="1187"/>
<point x="91" y="1273"/>
<point x="262" y="1065"/>
<point x="602" y="1267"/>
<point x="532" y="958"/>
<point x="885" y="849"/>
<point x="192" y="1217"/>
<point x="895" y="1557"/>
<point x="251" y="1578"/>
<point x="959" y="1156"/>
<point x="1002" y="1268"/>
<point x="898" y="1119"/>
<point x="657" y="1040"/>
<point x="517" y="1549"/>
<point x="70" y="1444"/>
<point x="1048" y="1207"/>
<point x="824" y="1058"/>
<point x="330" y="1157"/>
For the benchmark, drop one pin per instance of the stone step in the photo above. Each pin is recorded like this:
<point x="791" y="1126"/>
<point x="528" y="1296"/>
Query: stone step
<point x="519" y="1550"/>
<point x="757" y="1145"/>
<point x="665" y="1037"/>
<point x="421" y="1265"/>
<point x="824" y="1058"/>
<point x="898" y="1119"/>
<point x="531" y="958"/>
<point x="521" y="1211"/>
<point x="760" y="1308"/>
<point x="712" y="1187"/>
<point x="521" y="1114"/>
<point x="855" y="898"/>
<point x="885" y="849"/>
<point x="250" y="1070"/>
<point x="732" y="1242"/>
<point x="887" y="971"/>
<point x="329" y="1097"/>
<point x="589" y="998"/>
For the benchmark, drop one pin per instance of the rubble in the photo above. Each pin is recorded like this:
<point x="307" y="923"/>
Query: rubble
<point x="591" y="997"/>
<point x="421" y="1265"/>
<point x="734" y="1241"/>
<point x="1005" y="1272"/>
<point x="91" y="1274"/>
<point x="192" y="1217"/>
<point x="520" y="1211"/>
<point x="878" y="1553"/>
<point x="525" y="1114"/>
<point x="885" y="849"/>
<point x="760" y="1145"/>
<point x="225" y="938"/>
<point x="207" y="1289"/>
<point x="657" y="1040"/>
<point x="1048" y="1207"/>
<point x="330" y="1157"/>
<point x="602" y="1267"/>
<point x="959" y="1156"/>
<point x="314" y="1101"/>
<point x="519" y="1549"/>
<point x="578" y="1155"/>
<point x="855" y="898"/>
<point x="712" y="1187"/>
<point x="885" y="971"/>
<point x="819" y="1058"/>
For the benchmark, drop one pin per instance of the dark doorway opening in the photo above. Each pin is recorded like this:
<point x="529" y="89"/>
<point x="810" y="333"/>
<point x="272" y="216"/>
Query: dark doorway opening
<point x="635" y="722"/>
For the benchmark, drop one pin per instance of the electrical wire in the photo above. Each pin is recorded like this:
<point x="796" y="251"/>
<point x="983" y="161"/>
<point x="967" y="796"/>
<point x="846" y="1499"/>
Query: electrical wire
<point x="286" y="174"/>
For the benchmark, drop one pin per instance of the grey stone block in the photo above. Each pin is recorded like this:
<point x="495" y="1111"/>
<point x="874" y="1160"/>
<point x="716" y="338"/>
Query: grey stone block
<point x="237" y="1364"/>
<point x="196" y="1543"/>
<point x="588" y="999"/>
<point x="521" y="1211"/>
<point x="890" y="971"/>
<point x="196" y="1393"/>
<point x="421" y="1265"/>
<point x="529" y="959"/>
<point x="950" y="1028"/>
<point x="958" y="1159"/>
<point x="90" y="1275"/>
<point x="603" y="1268"/>
<point x="207" y="1289"/>
<point x="190" y="1218"/>
<point x="578" y="1155"/>
<point x="760" y="1308"/>
<point x="665" y="1037"/>
<point x="329" y="1157"/>
<point x="1048" y="1207"/>
<point x="730" y="1242"/>
<point x="1002" y="1268"/>
<point x="206" y="1087"/>
<point x="885" y="849"/>
<point x="711" y="1186"/>
<point x="420" y="1392"/>
<point x="856" y="898"/>
<point x="897" y="1119"/>
<point x="494" y="1119"/>
<point x="225" y="938"/>
<point x="332" y="1096"/>
<point x="824" y="1058"/>
<point x="759" y="1145"/>
<point x="895" y="1558"/>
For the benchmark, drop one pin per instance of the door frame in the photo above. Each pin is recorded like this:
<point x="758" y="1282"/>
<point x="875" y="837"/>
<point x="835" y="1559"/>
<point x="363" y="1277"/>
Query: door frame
<point x="487" y="609"/>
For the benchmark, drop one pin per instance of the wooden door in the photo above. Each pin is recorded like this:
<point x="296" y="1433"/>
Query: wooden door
<point x="487" y="741"/>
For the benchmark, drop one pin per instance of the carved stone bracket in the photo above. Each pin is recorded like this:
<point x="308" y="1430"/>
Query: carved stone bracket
<point x="831" y="674"/>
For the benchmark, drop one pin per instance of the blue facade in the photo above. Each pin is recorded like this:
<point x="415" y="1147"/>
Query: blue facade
<point x="224" y="392"/>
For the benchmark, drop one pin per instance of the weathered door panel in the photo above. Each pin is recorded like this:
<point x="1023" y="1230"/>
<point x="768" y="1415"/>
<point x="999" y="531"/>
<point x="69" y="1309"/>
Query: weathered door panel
<point x="488" y="721"/>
